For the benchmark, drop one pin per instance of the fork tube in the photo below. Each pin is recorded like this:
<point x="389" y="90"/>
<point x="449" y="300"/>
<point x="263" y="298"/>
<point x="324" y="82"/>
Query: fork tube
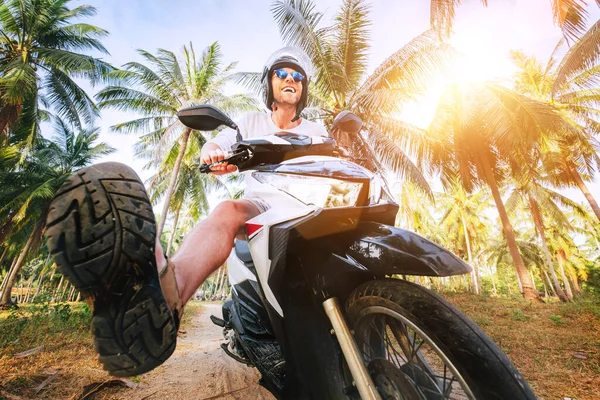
<point x="359" y="372"/>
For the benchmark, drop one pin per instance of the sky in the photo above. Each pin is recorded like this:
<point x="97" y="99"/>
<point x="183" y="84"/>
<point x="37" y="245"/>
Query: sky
<point x="247" y="33"/>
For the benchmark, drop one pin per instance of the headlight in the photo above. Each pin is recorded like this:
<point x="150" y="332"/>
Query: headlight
<point x="321" y="192"/>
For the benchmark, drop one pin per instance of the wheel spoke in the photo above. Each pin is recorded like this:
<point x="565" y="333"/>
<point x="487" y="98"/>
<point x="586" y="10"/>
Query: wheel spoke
<point x="396" y="355"/>
<point x="447" y="391"/>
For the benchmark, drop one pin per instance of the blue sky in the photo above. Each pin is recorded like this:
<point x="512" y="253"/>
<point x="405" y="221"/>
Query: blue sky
<point x="248" y="34"/>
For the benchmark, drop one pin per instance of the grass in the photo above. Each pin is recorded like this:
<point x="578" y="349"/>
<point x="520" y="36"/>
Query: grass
<point x="68" y="357"/>
<point x="555" y="346"/>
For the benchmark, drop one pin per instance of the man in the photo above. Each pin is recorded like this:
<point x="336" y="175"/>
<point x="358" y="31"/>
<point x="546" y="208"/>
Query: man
<point x="101" y="232"/>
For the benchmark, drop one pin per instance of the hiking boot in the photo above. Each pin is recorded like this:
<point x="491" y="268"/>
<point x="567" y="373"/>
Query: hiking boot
<point x="101" y="233"/>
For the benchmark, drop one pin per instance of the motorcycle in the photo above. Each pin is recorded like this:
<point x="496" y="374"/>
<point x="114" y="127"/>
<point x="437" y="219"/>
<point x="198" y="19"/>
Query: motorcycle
<point x="318" y="305"/>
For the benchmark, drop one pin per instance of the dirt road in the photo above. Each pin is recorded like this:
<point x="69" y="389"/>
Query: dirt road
<point x="199" y="369"/>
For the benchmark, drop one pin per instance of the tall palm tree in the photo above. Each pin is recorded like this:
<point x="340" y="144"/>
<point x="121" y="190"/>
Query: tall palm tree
<point x="541" y="202"/>
<point x="497" y="253"/>
<point x="569" y="15"/>
<point x="339" y="54"/>
<point x="26" y="192"/>
<point x="42" y="51"/>
<point x="462" y="222"/>
<point x="570" y="85"/>
<point x="160" y="88"/>
<point x="192" y="188"/>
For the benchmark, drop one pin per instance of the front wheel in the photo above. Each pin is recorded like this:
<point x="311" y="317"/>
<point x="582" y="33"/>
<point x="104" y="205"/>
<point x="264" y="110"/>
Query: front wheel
<point x="417" y="346"/>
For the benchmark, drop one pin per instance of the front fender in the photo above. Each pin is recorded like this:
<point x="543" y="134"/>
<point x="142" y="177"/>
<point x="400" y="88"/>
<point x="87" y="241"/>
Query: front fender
<point x="386" y="250"/>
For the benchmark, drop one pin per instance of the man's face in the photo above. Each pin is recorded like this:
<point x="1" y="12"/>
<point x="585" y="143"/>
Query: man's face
<point x="286" y="91"/>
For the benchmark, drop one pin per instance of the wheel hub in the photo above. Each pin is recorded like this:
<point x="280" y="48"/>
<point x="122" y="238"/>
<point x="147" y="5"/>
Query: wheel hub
<point x="390" y="382"/>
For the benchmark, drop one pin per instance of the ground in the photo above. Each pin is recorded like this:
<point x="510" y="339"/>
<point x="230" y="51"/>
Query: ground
<point x="199" y="369"/>
<point x="556" y="347"/>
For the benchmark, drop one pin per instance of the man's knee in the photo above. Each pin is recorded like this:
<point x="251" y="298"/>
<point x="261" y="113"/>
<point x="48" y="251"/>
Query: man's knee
<point x="234" y="213"/>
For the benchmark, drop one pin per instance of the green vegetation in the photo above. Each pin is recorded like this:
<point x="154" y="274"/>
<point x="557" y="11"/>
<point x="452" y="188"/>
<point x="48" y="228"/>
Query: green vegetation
<point x="30" y="326"/>
<point x="498" y="150"/>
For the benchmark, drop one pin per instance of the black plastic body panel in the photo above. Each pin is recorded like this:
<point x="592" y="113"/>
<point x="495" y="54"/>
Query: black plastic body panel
<point x="267" y="153"/>
<point x="388" y="250"/>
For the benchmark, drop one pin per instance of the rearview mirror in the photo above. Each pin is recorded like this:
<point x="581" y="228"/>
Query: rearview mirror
<point x="204" y="118"/>
<point x="347" y="122"/>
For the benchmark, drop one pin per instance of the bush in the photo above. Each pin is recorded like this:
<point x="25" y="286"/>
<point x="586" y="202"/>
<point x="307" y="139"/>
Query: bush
<point x="33" y="325"/>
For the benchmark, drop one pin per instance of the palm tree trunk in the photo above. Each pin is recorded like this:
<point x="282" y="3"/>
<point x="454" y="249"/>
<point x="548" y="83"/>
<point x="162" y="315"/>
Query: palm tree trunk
<point x="8" y="274"/>
<point x="575" y="281"/>
<point x="6" y="299"/>
<point x="494" y="289"/>
<point x="62" y="295"/>
<point x="561" y="261"/>
<point x="71" y="293"/>
<point x="168" y="253"/>
<point x="528" y="290"/>
<point x="519" y="284"/>
<point x="539" y="224"/>
<point x="546" y="295"/>
<point x="549" y="283"/>
<point x="3" y="255"/>
<point x="39" y="285"/>
<point x="62" y="278"/>
<point x="474" y="272"/>
<point x="582" y="186"/>
<point x="29" y="284"/>
<point x="184" y="141"/>
<point x="20" y="289"/>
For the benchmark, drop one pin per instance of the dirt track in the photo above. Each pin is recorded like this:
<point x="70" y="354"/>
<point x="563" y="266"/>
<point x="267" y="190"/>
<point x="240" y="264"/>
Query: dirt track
<point x="199" y="369"/>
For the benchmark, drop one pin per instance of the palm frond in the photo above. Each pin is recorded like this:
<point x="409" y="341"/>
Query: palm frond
<point x="583" y="55"/>
<point x="350" y="46"/>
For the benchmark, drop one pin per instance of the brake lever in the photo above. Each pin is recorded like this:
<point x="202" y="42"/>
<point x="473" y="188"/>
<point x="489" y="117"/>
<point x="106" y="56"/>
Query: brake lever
<point x="205" y="168"/>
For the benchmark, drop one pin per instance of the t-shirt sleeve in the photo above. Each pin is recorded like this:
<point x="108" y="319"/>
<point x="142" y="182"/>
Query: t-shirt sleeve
<point x="224" y="139"/>
<point x="227" y="137"/>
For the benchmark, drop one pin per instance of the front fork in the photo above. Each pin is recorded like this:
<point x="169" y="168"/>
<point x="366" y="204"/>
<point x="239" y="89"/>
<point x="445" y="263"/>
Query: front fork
<point x="359" y="372"/>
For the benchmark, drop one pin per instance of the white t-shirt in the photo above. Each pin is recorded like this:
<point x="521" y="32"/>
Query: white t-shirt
<point x="256" y="124"/>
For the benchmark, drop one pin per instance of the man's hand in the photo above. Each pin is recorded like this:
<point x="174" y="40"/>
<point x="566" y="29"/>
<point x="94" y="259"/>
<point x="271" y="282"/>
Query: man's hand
<point x="214" y="154"/>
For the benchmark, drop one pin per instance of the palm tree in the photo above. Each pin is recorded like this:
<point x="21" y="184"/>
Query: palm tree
<point x="339" y="54"/>
<point x="463" y="221"/>
<point x="541" y="202"/>
<point x="497" y="252"/>
<point x="192" y="188"/>
<point x="159" y="90"/>
<point x="26" y="192"/>
<point x="415" y="212"/>
<point x="474" y="136"/>
<point x="570" y="85"/>
<point x="572" y="263"/>
<point x="569" y="15"/>
<point x="41" y="53"/>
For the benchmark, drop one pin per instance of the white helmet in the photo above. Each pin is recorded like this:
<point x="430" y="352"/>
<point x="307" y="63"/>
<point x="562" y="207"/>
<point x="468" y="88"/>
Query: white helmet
<point x="291" y="57"/>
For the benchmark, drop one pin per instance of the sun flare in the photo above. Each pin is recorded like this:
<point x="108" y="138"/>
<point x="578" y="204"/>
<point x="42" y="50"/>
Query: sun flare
<point x="482" y="55"/>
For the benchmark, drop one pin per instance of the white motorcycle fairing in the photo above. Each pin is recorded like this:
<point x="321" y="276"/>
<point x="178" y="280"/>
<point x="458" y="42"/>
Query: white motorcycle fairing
<point x="284" y="207"/>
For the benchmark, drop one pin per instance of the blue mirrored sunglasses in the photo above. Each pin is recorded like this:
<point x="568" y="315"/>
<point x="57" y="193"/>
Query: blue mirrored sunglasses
<point x="282" y="74"/>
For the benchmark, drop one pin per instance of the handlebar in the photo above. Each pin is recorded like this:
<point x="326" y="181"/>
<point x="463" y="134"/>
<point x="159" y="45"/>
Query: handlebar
<point x="233" y="159"/>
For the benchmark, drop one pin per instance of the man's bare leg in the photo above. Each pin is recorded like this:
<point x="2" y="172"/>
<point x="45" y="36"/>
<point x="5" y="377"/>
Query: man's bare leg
<point x="208" y="245"/>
